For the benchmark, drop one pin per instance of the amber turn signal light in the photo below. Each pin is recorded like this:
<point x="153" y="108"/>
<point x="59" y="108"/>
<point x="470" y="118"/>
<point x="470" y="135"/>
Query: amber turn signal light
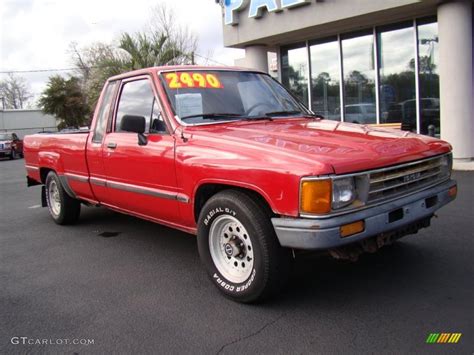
<point x="352" y="228"/>
<point x="316" y="196"/>
<point x="453" y="191"/>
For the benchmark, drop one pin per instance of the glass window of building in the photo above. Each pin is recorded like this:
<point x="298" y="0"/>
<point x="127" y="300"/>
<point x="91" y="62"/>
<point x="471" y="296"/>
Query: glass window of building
<point x="393" y="68"/>
<point x="325" y="71"/>
<point x="359" y="79"/>
<point x="428" y="63"/>
<point x="397" y="93"/>
<point x="295" y="72"/>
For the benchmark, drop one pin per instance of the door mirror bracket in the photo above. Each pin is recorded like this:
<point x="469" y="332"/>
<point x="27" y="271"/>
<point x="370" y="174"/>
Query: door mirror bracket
<point x="142" y="139"/>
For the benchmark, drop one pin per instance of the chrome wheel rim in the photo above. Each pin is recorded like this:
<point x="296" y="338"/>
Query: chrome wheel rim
<point x="231" y="248"/>
<point x="54" y="198"/>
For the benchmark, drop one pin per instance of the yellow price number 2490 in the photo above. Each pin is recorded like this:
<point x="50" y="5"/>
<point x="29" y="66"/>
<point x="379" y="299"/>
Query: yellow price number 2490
<point x="180" y="80"/>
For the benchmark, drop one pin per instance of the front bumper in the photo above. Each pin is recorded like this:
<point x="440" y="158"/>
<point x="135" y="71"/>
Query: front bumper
<point x="324" y="233"/>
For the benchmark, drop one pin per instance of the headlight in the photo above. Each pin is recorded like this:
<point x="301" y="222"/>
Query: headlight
<point x="343" y="192"/>
<point x="446" y="165"/>
<point x="323" y="195"/>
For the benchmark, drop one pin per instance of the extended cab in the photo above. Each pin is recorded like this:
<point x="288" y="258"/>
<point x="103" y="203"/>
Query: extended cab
<point x="231" y="156"/>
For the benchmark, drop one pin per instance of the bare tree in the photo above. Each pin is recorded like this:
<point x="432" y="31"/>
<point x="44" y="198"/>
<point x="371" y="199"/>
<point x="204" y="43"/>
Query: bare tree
<point x="14" y="92"/>
<point x="179" y="38"/>
<point x="94" y="65"/>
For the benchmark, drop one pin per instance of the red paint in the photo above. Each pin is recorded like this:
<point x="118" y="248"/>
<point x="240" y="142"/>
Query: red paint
<point x="268" y="157"/>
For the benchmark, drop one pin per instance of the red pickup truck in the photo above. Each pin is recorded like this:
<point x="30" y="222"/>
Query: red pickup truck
<point x="231" y="156"/>
<point x="10" y="146"/>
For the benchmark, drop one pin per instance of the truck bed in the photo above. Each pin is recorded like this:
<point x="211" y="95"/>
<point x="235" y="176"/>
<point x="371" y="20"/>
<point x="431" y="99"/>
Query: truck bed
<point x="63" y="152"/>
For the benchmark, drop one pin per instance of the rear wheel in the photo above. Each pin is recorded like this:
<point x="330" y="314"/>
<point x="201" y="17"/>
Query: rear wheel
<point x="63" y="208"/>
<point x="238" y="246"/>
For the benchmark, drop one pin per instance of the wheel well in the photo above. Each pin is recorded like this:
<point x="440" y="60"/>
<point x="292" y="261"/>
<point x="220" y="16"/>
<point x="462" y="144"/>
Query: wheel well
<point x="44" y="173"/>
<point x="206" y="191"/>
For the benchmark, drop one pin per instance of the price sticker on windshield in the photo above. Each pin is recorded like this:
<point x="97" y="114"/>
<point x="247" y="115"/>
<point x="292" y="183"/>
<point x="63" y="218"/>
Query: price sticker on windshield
<point x="185" y="80"/>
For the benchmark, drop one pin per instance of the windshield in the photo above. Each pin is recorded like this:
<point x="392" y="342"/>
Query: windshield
<point x="210" y="96"/>
<point x="5" y="137"/>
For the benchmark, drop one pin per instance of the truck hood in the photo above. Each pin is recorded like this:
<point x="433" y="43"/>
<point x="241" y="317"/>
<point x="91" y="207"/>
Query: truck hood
<point x="343" y="147"/>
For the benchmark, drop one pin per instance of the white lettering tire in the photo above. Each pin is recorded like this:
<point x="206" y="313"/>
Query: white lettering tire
<point x="63" y="208"/>
<point x="239" y="249"/>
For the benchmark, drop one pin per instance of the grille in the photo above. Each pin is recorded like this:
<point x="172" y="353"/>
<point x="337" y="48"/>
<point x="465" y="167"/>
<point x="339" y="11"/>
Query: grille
<point x="402" y="179"/>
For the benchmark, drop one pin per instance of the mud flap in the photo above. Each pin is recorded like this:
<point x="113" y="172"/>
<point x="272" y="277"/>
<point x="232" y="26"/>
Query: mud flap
<point x="44" y="203"/>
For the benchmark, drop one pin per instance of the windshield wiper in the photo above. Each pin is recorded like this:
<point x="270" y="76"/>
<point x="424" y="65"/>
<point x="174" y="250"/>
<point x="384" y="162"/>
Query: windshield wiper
<point x="282" y="113"/>
<point x="212" y="116"/>
<point x="258" y="118"/>
<point x="287" y="113"/>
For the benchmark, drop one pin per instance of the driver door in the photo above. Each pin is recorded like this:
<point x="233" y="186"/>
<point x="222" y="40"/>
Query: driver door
<point x="141" y="178"/>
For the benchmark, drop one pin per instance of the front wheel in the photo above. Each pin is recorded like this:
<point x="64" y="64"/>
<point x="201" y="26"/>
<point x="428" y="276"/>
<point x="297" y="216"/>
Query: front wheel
<point x="63" y="208"/>
<point x="238" y="247"/>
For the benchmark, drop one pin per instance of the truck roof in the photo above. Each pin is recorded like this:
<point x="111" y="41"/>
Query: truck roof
<point x="177" y="68"/>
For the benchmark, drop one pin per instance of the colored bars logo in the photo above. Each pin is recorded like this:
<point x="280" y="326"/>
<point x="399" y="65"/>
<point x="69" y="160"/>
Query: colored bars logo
<point x="443" y="338"/>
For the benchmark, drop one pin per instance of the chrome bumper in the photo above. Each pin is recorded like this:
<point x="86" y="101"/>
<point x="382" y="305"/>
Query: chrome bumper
<point x="324" y="233"/>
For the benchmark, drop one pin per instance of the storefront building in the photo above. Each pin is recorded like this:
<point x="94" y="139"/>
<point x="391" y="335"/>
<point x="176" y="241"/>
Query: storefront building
<point x="407" y="63"/>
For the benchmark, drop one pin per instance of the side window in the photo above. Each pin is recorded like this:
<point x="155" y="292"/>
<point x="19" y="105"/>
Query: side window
<point x="103" y="114"/>
<point x="136" y="99"/>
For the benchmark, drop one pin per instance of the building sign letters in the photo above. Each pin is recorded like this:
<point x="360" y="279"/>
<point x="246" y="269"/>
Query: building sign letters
<point x="256" y="8"/>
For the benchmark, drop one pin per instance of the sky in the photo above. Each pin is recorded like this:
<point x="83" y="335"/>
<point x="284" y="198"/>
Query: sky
<point x="36" y="34"/>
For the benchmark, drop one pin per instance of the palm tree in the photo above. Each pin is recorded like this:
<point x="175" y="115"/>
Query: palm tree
<point x="150" y="50"/>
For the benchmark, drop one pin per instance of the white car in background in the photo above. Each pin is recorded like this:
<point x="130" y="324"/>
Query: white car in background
<point x="360" y="113"/>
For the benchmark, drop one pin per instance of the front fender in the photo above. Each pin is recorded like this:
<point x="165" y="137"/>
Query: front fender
<point x="239" y="184"/>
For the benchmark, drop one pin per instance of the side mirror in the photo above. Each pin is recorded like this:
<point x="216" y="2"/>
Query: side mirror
<point x="132" y="123"/>
<point x="137" y="124"/>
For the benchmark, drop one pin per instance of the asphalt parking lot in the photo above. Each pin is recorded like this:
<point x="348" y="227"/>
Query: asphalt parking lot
<point x="142" y="289"/>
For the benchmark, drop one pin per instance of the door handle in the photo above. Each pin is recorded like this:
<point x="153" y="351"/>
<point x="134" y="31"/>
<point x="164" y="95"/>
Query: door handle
<point x="111" y="145"/>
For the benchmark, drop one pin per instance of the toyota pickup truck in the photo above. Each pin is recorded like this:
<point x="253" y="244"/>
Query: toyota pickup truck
<point x="231" y="156"/>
